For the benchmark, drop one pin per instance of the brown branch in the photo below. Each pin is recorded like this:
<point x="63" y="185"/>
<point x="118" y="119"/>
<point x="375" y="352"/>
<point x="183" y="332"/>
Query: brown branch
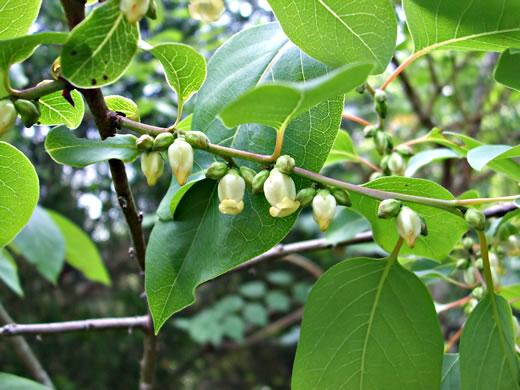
<point x="149" y="361"/>
<point x="304" y="263"/>
<point x="23" y="350"/>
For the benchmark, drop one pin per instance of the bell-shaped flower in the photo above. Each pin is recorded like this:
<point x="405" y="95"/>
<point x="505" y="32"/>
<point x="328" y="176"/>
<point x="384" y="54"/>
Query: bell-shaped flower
<point x="206" y="10"/>
<point x="134" y="10"/>
<point x="180" y="156"/>
<point x="231" y="190"/>
<point x="280" y="192"/>
<point x="323" y="209"/>
<point x="408" y="225"/>
<point x="152" y="166"/>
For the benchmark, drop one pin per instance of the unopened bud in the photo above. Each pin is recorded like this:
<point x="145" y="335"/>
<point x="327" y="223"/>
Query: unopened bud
<point x="470" y="277"/>
<point x="231" y="190"/>
<point x="361" y="89"/>
<point x="381" y="104"/>
<point x="405" y="150"/>
<point x="163" y="141"/>
<point x="470" y="306"/>
<point x="342" y="196"/>
<point x="380" y="96"/>
<point x="152" y="166"/>
<point x="28" y="110"/>
<point x="206" y="10"/>
<point x="396" y="164"/>
<point x="134" y="10"/>
<point x="7" y="116"/>
<point x="180" y="155"/>
<point x="476" y="219"/>
<point x="369" y="131"/>
<point x="381" y="140"/>
<point x="197" y="139"/>
<point x="384" y="164"/>
<point x="462" y="264"/>
<point x="144" y="143"/>
<point x="408" y="225"/>
<point x="280" y="192"/>
<point x="478" y="292"/>
<point x="323" y="209"/>
<point x="248" y="175"/>
<point x="305" y="196"/>
<point x="479" y="263"/>
<point x="424" y="227"/>
<point x="217" y="170"/>
<point x="259" y="180"/>
<point x="375" y="176"/>
<point x="389" y="208"/>
<point x="285" y="164"/>
<point x="467" y="242"/>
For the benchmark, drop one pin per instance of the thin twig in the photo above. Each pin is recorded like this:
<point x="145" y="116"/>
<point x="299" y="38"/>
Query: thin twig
<point x="304" y="263"/>
<point x="356" y="119"/>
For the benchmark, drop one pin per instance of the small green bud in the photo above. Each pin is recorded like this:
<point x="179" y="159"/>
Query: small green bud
<point x="342" y="196"/>
<point x="381" y="104"/>
<point x="144" y="143"/>
<point x="468" y="308"/>
<point x="361" y="89"/>
<point x="375" y="176"/>
<point x="405" y="150"/>
<point x="396" y="164"/>
<point x="163" y="141"/>
<point x="380" y="96"/>
<point x="478" y="292"/>
<point x="217" y="170"/>
<point x="197" y="139"/>
<point x="305" y="196"/>
<point x="381" y="142"/>
<point x="462" y="264"/>
<point x="28" y="110"/>
<point x="7" y="116"/>
<point x="479" y="263"/>
<point x="390" y="142"/>
<point x="384" y="164"/>
<point x="259" y="180"/>
<point x="469" y="276"/>
<point x="285" y="164"/>
<point x="424" y="227"/>
<point x="248" y="175"/>
<point x="467" y="242"/>
<point x="476" y="219"/>
<point x="152" y="165"/>
<point x="152" y="10"/>
<point x="389" y="208"/>
<point x="369" y="131"/>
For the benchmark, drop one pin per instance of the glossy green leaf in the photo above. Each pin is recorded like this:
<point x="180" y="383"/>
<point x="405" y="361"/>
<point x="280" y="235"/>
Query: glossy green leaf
<point x="18" y="49"/>
<point x="67" y="149"/>
<point x="369" y="325"/>
<point x="42" y="244"/>
<point x="339" y="32"/>
<point x="342" y="150"/>
<point x="444" y="228"/>
<point x="506" y="71"/>
<point x="425" y="158"/>
<point x="58" y="111"/>
<point x="488" y="358"/>
<point x="100" y="48"/>
<point x="124" y="106"/>
<point x="276" y="105"/>
<point x="175" y="269"/>
<point x="80" y="252"/>
<point x="17" y="16"/>
<point x="481" y="156"/>
<point x="13" y="382"/>
<point x="184" y="67"/>
<point x="9" y="272"/>
<point x="460" y="25"/>
<point x="19" y="192"/>
<point x="450" y="372"/>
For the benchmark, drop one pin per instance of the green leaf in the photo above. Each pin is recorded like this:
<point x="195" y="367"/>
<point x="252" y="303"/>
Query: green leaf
<point x="18" y="49"/>
<point x="277" y="300"/>
<point x="342" y="150"/>
<point x="425" y="158"/>
<point x="13" y="382"/>
<point x="9" y="272"/>
<point x="100" y="48"/>
<point x="506" y="71"/>
<point x="481" y="156"/>
<point x="255" y="314"/>
<point x="17" y="17"/>
<point x="450" y="372"/>
<point x="276" y="105"/>
<point x="488" y="357"/>
<point x="80" y="252"/>
<point x="253" y="290"/>
<point x="184" y="67"/>
<point x="510" y="292"/>
<point x="42" y="244"/>
<point x="444" y="228"/>
<point x="234" y="327"/>
<point x="58" y="111"/>
<point x="337" y="32"/>
<point x="229" y="304"/>
<point x="67" y="149"/>
<point x="280" y="278"/>
<point x="369" y="324"/>
<point x="123" y="105"/>
<point x="19" y="192"/>
<point x="345" y="225"/>
<point x="251" y="57"/>
<point x="460" y="25"/>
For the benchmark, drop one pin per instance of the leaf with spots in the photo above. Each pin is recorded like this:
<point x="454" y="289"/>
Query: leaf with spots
<point x="100" y="48"/>
<point x="17" y="17"/>
<point x="339" y="32"/>
<point x="56" y="110"/>
<point x="367" y="324"/>
<point x="174" y="269"/>
<point x="19" y="192"/>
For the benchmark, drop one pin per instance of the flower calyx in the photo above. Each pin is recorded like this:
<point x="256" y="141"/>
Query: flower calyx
<point x="248" y="175"/>
<point x="476" y="219"/>
<point x="389" y="208"/>
<point x="29" y="111"/>
<point x="197" y="139"/>
<point x="285" y="164"/>
<point x="342" y="196"/>
<point x="144" y="143"/>
<point x="305" y="196"/>
<point x="259" y="181"/>
<point x="163" y="141"/>
<point x="217" y="170"/>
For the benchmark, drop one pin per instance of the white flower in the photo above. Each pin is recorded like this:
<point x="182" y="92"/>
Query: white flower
<point x="323" y="209"/>
<point x="180" y="156"/>
<point x="408" y="225"/>
<point x="206" y="10"/>
<point x="152" y="166"/>
<point x="231" y="190"/>
<point x="280" y="192"/>
<point x="134" y="10"/>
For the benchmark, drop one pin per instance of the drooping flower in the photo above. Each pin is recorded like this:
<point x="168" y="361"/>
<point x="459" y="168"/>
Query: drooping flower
<point x="206" y="10"/>
<point x="180" y="156"/>
<point x="231" y="190"/>
<point x="323" y="209"/>
<point x="280" y="192"/>
<point x="408" y="225"/>
<point x="152" y="166"/>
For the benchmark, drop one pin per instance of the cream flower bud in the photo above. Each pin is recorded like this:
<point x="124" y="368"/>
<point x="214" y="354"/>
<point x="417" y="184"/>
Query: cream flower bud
<point x="231" y="190"/>
<point x="7" y="116"/>
<point x="323" y="209"/>
<point x="408" y="225"/>
<point x="152" y="166"/>
<point x="180" y="156"/>
<point x="206" y="10"/>
<point x="280" y="192"/>
<point x="134" y="10"/>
